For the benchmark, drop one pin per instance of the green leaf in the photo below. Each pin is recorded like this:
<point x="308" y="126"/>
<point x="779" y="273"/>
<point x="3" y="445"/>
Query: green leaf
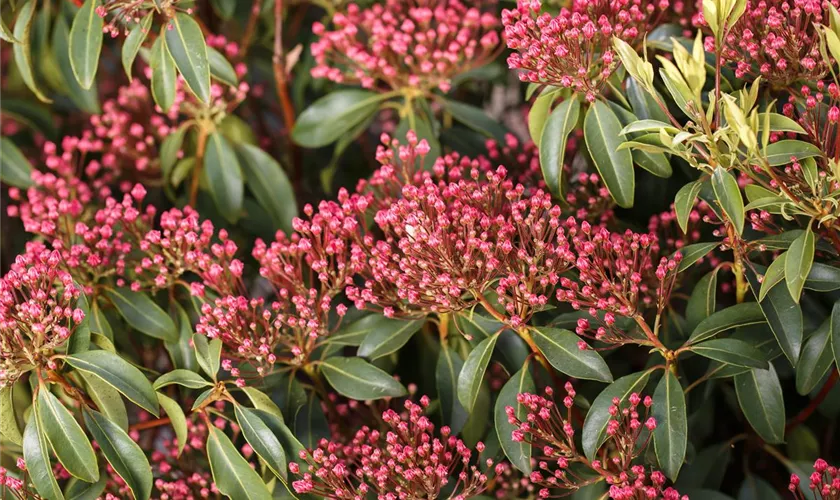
<point x="728" y="195"/>
<point x="783" y="315"/>
<point x="124" y="455"/>
<point x="186" y="45"/>
<point x="6" y="33"/>
<point x="268" y="182"/>
<point x="538" y="114"/>
<point x="561" y="349"/>
<point x="23" y="50"/>
<point x="15" y="169"/>
<point x="8" y="420"/>
<point x="163" y="74"/>
<point x="823" y="278"/>
<point x="358" y="379"/>
<point x="169" y="149"/>
<point x="133" y="42"/>
<point x="99" y="323"/>
<point x="184" y="378"/>
<point x="780" y="153"/>
<point x="119" y="374"/>
<point x="37" y="457"/>
<point x="354" y="333"/>
<point x="220" y="68"/>
<point x="86" y="43"/>
<point x="760" y="397"/>
<point x="224" y="176"/>
<point x="231" y="473"/>
<point x="106" y="398"/>
<point x="79" y="341"/>
<point x="800" y="257"/>
<point x="595" y="425"/>
<point x="476" y="119"/>
<point x="262" y="440"/>
<point x="755" y="488"/>
<point x="670" y="438"/>
<point x="176" y="418"/>
<point x="835" y="332"/>
<point x="86" y="99"/>
<point x="449" y="365"/>
<point x="472" y="374"/>
<point x="67" y="439"/>
<point x="601" y="129"/>
<point x="731" y="351"/>
<point x="773" y="276"/>
<point x="815" y="360"/>
<point x="262" y="401"/>
<point x="557" y="128"/>
<point x="208" y="354"/>
<point x="388" y="336"/>
<point x="333" y="115"/>
<point x="684" y="203"/>
<point x="702" y="302"/>
<point x="142" y="314"/>
<point x="748" y="313"/>
<point x="694" y="252"/>
<point x="518" y="452"/>
<point x="781" y="123"/>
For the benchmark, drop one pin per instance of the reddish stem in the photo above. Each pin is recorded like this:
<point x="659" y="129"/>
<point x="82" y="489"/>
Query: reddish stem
<point x="150" y="424"/>
<point x="817" y="401"/>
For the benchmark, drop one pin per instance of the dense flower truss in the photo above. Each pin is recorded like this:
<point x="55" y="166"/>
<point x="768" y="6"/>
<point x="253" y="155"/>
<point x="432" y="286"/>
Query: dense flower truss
<point x="573" y="49"/>
<point x="778" y="40"/>
<point x="409" y="460"/>
<point x="418" y="44"/>
<point x="38" y="313"/>
<point x="824" y="482"/>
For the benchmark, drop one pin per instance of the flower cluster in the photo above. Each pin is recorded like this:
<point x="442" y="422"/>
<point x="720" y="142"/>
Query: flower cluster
<point x="38" y="313"/>
<point x="824" y="482"/>
<point x="410" y="460"/>
<point x="573" y="49"/>
<point x="418" y="44"/>
<point x="548" y="427"/>
<point x="778" y="40"/>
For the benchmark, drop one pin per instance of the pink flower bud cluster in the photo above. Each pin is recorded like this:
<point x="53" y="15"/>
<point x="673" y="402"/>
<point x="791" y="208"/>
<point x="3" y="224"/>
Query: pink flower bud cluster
<point x="12" y="483"/>
<point x="548" y="427"/>
<point x="619" y="273"/>
<point x="521" y="160"/>
<point x="409" y="460"/>
<point x="778" y="40"/>
<point x="38" y="312"/>
<point x="418" y="44"/>
<point x="573" y="49"/>
<point x="824" y="482"/>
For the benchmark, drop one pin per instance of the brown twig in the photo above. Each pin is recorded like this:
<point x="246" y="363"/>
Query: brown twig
<point x="151" y="424"/>
<point x="250" y="29"/>
<point x="279" y="64"/>
<point x="817" y="401"/>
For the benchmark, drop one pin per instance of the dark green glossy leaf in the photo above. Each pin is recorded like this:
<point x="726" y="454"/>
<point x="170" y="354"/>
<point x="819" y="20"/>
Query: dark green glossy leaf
<point x="557" y="128"/>
<point x="133" y="42"/>
<point x="220" y="68"/>
<point x="333" y="115"/>
<point x="798" y="263"/>
<point x="702" y="302"/>
<point x="23" y="50"/>
<point x="86" y="43"/>
<point x="66" y="438"/>
<point x="595" y="425"/>
<point x="107" y="399"/>
<point x="476" y="119"/>
<point x="224" y="176"/>
<point x="694" y="252"/>
<point x="448" y="368"/>
<point x="15" y="169"/>
<point x="670" y="438"/>
<point x="177" y="419"/>
<point x="358" y="379"/>
<point x="208" y="354"/>
<point x="684" y="203"/>
<point x="118" y="373"/>
<point x="124" y="455"/>
<point x="561" y="349"/>
<point x="231" y="473"/>
<point x="262" y="440"/>
<point x="538" y="114"/>
<point x="731" y="351"/>
<point x="37" y="456"/>
<point x="8" y="421"/>
<point x="816" y="359"/>
<point x="823" y="278"/>
<point x="388" y="336"/>
<point x="186" y="45"/>
<point x="163" y="74"/>
<point x="780" y="153"/>
<point x="784" y="317"/>
<point x="267" y="180"/>
<point x="518" y="452"/>
<point x="601" y="129"/>
<point x="86" y="99"/>
<point x="184" y="378"/>
<point x="773" y="276"/>
<point x="760" y="397"/>
<point x="472" y="374"/>
<point x="748" y="313"/>
<point x="728" y="194"/>
<point x="142" y="314"/>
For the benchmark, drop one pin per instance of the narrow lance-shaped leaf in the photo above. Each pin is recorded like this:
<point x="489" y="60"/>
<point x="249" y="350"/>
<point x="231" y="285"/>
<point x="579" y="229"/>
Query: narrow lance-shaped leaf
<point x="731" y="351"/>
<point x="595" y="425"/>
<point x="816" y="359"/>
<point x="557" y="128"/>
<point x="671" y="433"/>
<point x="231" y="473"/>
<point x="760" y="397"/>
<point x="15" y="169"/>
<point x="66" y="438"/>
<point x="472" y="374"/>
<point x="518" y="452"/>
<point x="177" y="419"/>
<point x="729" y="196"/>
<point x="389" y="336"/>
<point x="783" y="315"/>
<point x="835" y="332"/>
<point x="601" y="129"/>
<point x="748" y="313"/>
<point x="118" y="373"/>
<point x="333" y="115"/>
<point x="85" y="99"/>
<point x="224" y="176"/>
<point x="23" y="50"/>
<point x="262" y="440"/>
<point x="798" y="263"/>
<point x="268" y="182"/>
<point x="141" y="313"/>
<point x="124" y="455"/>
<point x="186" y="44"/>
<point x="163" y="74"/>
<point x="448" y="368"/>
<point x="86" y="43"/>
<point x="37" y="457"/>
<point x="8" y="420"/>
<point x="134" y="41"/>
<point x="562" y="349"/>
<point x="357" y="379"/>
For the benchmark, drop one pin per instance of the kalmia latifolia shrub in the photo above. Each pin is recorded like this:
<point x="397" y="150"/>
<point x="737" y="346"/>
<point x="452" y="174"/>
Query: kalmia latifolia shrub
<point x="420" y="249"/>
